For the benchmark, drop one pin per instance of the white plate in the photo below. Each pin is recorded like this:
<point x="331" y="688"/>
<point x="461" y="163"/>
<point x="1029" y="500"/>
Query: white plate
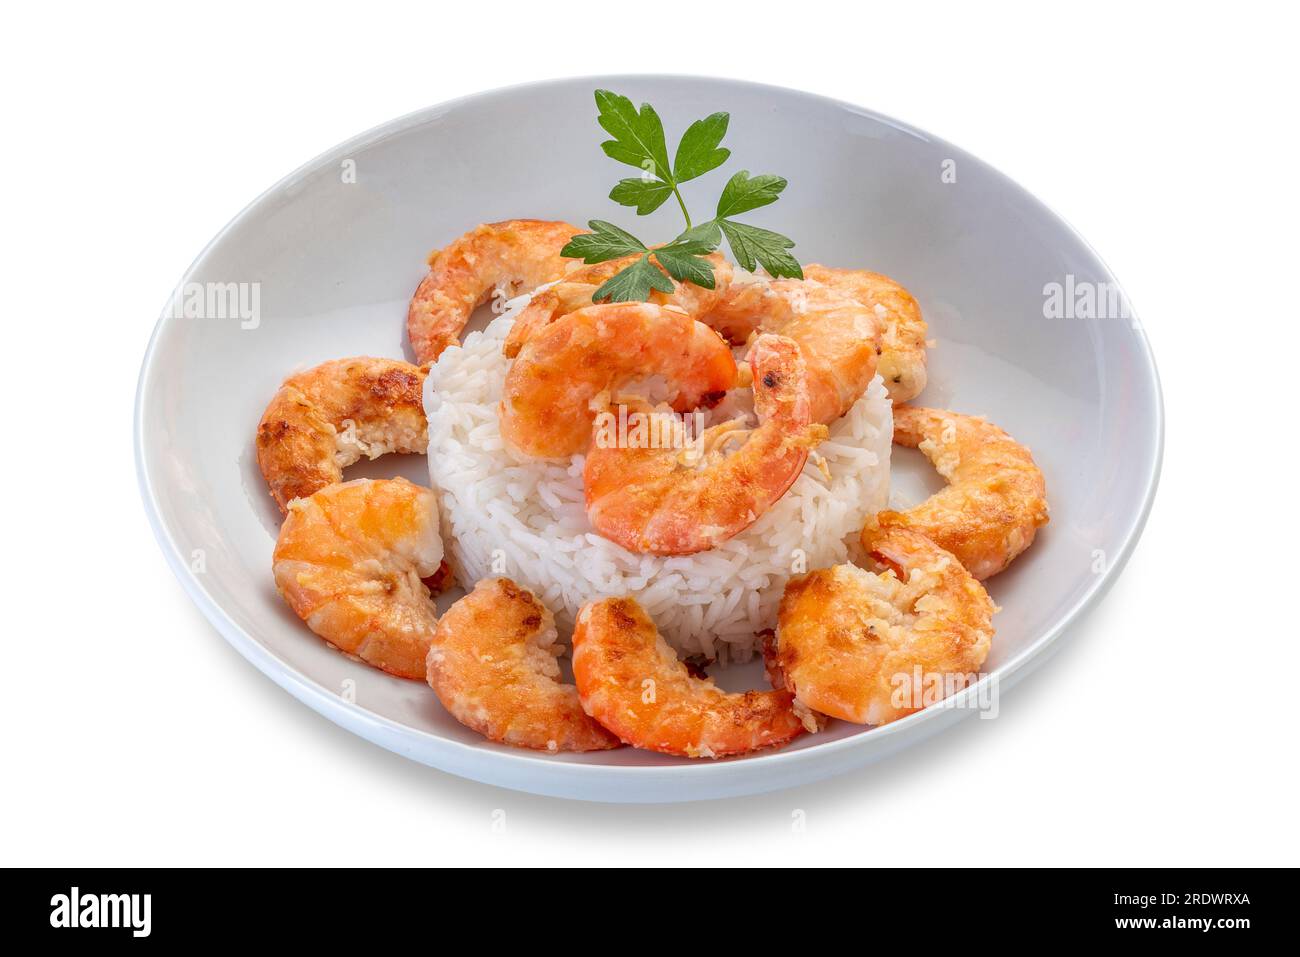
<point x="335" y="262"/>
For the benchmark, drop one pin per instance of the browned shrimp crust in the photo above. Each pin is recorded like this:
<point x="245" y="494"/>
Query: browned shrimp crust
<point x="996" y="499"/>
<point x="902" y="346"/>
<point x="326" y="418"/>
<point x="517" y="255"/>
<point x="849" y="642"/>
<point x="351" y="560"/>
<point x="839" y="337"/>
<point x="649" y="500"/>
<point x="492" y="664"/>
<point x="633" y="683"/>
<point x="546" y="408"/>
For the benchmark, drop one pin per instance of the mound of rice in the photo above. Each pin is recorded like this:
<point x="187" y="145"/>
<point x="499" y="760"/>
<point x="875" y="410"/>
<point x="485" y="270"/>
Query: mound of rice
<point x="524" y="519"/>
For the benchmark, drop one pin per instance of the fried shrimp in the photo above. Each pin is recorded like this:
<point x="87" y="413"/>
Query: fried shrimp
<point x="678" y="500"/>
<point x="547" y="403"/>
<point x="633" y="683"/>
<point x="902" y="342"/>
<point x="995" y="500"/>
<point x="839" y="337"/>
<point x="493" y="665"/>
<point x="518" y="254"/>
<point x="349" y="561"/>
<point x="575" y="290"/>
<point x="855" y="645"/>
<point x="325" y="419"/>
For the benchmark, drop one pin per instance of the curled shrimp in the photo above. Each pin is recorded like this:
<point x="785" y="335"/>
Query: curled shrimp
<point x="839" y="337"/>
<point x="995" y="500"/>
<point x="575" y="290"/>
<point x="902" y="343"/>
<point x="633" y="683"/>
<point x="521" y="254"/>
<point x="349" y="561"/>
<point x="851" y="644"/>
<point x="323" y="420"/>
<point x="493" y="665"/>
<point x="658" y="500"/>
<point x="546" y="406"/>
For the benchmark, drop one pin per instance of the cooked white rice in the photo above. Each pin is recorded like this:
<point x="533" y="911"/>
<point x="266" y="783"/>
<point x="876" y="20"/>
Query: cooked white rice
<point x="503" y="515"/>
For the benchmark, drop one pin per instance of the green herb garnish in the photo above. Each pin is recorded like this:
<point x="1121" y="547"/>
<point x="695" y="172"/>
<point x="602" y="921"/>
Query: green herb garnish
<point x="638" y="140"/>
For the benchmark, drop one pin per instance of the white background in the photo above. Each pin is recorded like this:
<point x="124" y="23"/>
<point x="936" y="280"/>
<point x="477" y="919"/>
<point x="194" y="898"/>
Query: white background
<point x="1164" y="732"/>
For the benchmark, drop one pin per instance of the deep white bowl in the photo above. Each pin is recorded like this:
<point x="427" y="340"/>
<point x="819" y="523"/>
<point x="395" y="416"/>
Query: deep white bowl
<point x="335" y="262"/>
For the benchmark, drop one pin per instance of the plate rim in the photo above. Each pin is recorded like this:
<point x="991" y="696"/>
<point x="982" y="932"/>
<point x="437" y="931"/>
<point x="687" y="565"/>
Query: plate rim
<point x="530" y="771"/>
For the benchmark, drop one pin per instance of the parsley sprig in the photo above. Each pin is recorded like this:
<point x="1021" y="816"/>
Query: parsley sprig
<point x="638" y="140"/>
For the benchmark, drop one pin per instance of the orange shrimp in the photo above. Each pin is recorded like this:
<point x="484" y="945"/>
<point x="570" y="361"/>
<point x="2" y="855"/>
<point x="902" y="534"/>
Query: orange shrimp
<point x="996" y="498"/>
<point x="632" y="682"/>
<point x="546" y="405"/>
<point x="575" y="290"/>
<point x="849" y="642"/>
<point x="902" y="345"/>
<point x="839" y="337"/>
<point x="520" y="254"/>
<point x="323" y="420"/>
<point x="651" y="500"/>
<point x="493" y="665"/>
<point x="349" y="561"/>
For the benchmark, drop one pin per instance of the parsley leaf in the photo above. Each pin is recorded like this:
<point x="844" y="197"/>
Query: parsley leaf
<point x="707" y="235"/>
<point x="638" y="140"/>
<point x="698" y="151"/>
<point x="638" y="135"/>
<point x="605" y="241"/>
<point x="685" y="266"/>
<point x="743" y="193"/>
<point x="750" y="243"/>
<point x="633" y="284"/>
<point x="646" y="195"/>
